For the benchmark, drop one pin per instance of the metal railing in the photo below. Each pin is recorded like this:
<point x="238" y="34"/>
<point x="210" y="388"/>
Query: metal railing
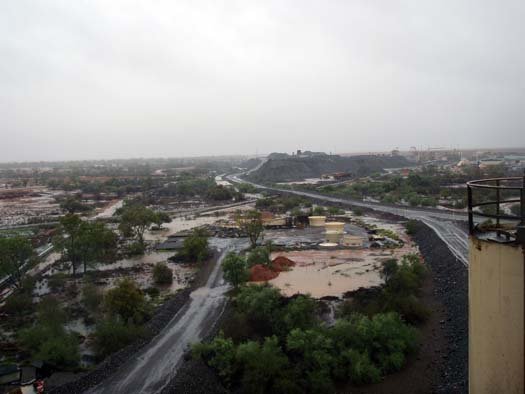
<point x="498" y="186"/>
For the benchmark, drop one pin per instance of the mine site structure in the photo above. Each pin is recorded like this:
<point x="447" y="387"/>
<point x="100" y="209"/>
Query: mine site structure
<point x="496" y="285"/>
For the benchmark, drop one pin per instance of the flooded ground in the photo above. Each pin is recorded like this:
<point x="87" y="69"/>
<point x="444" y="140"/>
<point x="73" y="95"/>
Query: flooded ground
<point x="333" y="272"/>
<point x="109" y="210"/>
<point x="191" y="221"/>
<point x="37" y="205"/>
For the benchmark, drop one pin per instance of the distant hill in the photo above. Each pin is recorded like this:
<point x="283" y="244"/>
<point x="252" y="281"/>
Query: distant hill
<point x="280" y="168"/>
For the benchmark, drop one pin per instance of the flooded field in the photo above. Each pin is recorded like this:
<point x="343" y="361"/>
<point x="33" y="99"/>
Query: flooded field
<point x="191" y="221"/>
<point x="37" y="205"/>
<point x="323" y="273"/>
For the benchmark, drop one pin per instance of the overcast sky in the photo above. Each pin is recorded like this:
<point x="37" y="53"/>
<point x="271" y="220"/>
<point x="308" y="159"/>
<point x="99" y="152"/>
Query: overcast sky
<point x="113" y="79"/>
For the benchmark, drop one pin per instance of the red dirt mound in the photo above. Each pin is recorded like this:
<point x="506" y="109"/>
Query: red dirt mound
<point x="261" y="273"/>
<point x="281" y="263"/>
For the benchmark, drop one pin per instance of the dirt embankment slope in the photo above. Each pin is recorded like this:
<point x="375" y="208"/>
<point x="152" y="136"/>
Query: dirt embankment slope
<point x="286" y="169"/>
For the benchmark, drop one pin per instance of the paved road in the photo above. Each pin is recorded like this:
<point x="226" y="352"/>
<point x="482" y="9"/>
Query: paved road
<point x="442" y="222"/>
<point x="151" y="369"/>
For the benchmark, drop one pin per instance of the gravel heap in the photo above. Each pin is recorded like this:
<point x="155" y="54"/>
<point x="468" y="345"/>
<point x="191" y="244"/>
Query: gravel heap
<point x="195" y="377"/>
<point x="450" y="278"/>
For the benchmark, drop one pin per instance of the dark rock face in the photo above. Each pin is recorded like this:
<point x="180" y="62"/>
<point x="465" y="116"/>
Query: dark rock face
<point x="298" y="168"/>
<point x="450" y="278"/>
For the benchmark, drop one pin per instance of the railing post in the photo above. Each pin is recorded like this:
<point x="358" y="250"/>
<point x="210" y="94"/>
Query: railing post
<point x="470" y="215"/>
<point x="522" y="198"/>
<point x="497" y="203"/>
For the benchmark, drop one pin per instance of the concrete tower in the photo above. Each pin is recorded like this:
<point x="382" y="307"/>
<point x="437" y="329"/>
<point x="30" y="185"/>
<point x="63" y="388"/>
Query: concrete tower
<point x="496" y="287"/>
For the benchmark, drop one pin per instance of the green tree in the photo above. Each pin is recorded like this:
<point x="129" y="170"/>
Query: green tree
<point x="218" y="354"/>
<point x="67" y="239"/>
<point x="92" y="297"/>
<point x="162" y="274"/>
<point x="195" y="247"/>
<point x="47" y="339"/>
<point x="263" y="365"/>
<point x="85" y="243"/>
<point x="72" y="204"/>
<point x="311" y="351"/>
<point x="135" y="219"/>
<point x="160" y="218"/>
<point x="113" y="334"/>
<point x="318" y="211"/>
<point x="235" y="269"/>
<point x="300" y="312"/>
<point x="15" y="258"/>
<point x="259" y="255"/>
<point x="126" y="301"/>
<point x="250" y="222"/>
<point x="259" y="303"/>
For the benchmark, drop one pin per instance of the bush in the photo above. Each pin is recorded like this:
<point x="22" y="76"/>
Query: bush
<point x="57" y="282"/>
<point x="300" y="313"/>
<point x="259" y="255"/>
<point x="136" y="249"/>
<point x="335" y="211"/>
<point x="218" y="354"/>
<point x="153" y="292"/>
<point x="235" y="269"/>
<point x="19" y="304"/>
<point x="60" y="351"/>
<point x="318" y="211"/>
<point x="411" y="227"/>
<point x="112" y="335"/>
<point x="358" y="211"/>
<point x="259" y="304"/>
<point x="92" y="297"/>
<point x="126" y="301"/>
<point x="385" y="338"/>
<point x="162" y="274"/>
<point x="195" y="247"/>
<point x="47" y="340"/>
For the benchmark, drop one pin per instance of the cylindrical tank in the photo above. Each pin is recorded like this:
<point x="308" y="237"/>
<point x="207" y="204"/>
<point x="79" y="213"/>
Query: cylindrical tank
<point x="317" y="221"/>
<point x="333" y="237"/>
<point x="334" y="227"/>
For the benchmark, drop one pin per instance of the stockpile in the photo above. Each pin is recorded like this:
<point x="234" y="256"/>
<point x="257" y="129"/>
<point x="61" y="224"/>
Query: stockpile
<point x="263" y="273"/>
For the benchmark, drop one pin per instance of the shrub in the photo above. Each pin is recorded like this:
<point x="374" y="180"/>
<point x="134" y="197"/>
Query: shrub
<point x="335" y="211"/>
<point x="153" y="292"/>
<point x="300" y="313"/>
<point x="57" y="282"/>
<point x="218" y="354"/>
<point x="19" y="304"/>
<point x="195" y="247"/>
<point x="162" y="274"/>
<point x="112" y="335"/>
<point x="318" y="211"/>
<point x="259" y="255"/>
<point x="358" y="212"/>
<point x="126" y="301"/>
<point x="259" y="304"/>
<point x="411" y="227"/>
<point x="60" y="351"/>
<point x="262" y="365"/>
<point x="47" y="340"/>
<point x="136" y="249"/>
<point x="92" y="297"/>
<point x="235" y="269"/>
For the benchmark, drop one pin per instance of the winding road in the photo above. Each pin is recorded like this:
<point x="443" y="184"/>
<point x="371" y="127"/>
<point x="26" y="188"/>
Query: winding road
<point x="152" y="368"/>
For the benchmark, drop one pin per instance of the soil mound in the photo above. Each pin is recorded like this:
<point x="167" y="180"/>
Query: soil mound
<point x="263" y="273"/>
<point x="281" y="263"/>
